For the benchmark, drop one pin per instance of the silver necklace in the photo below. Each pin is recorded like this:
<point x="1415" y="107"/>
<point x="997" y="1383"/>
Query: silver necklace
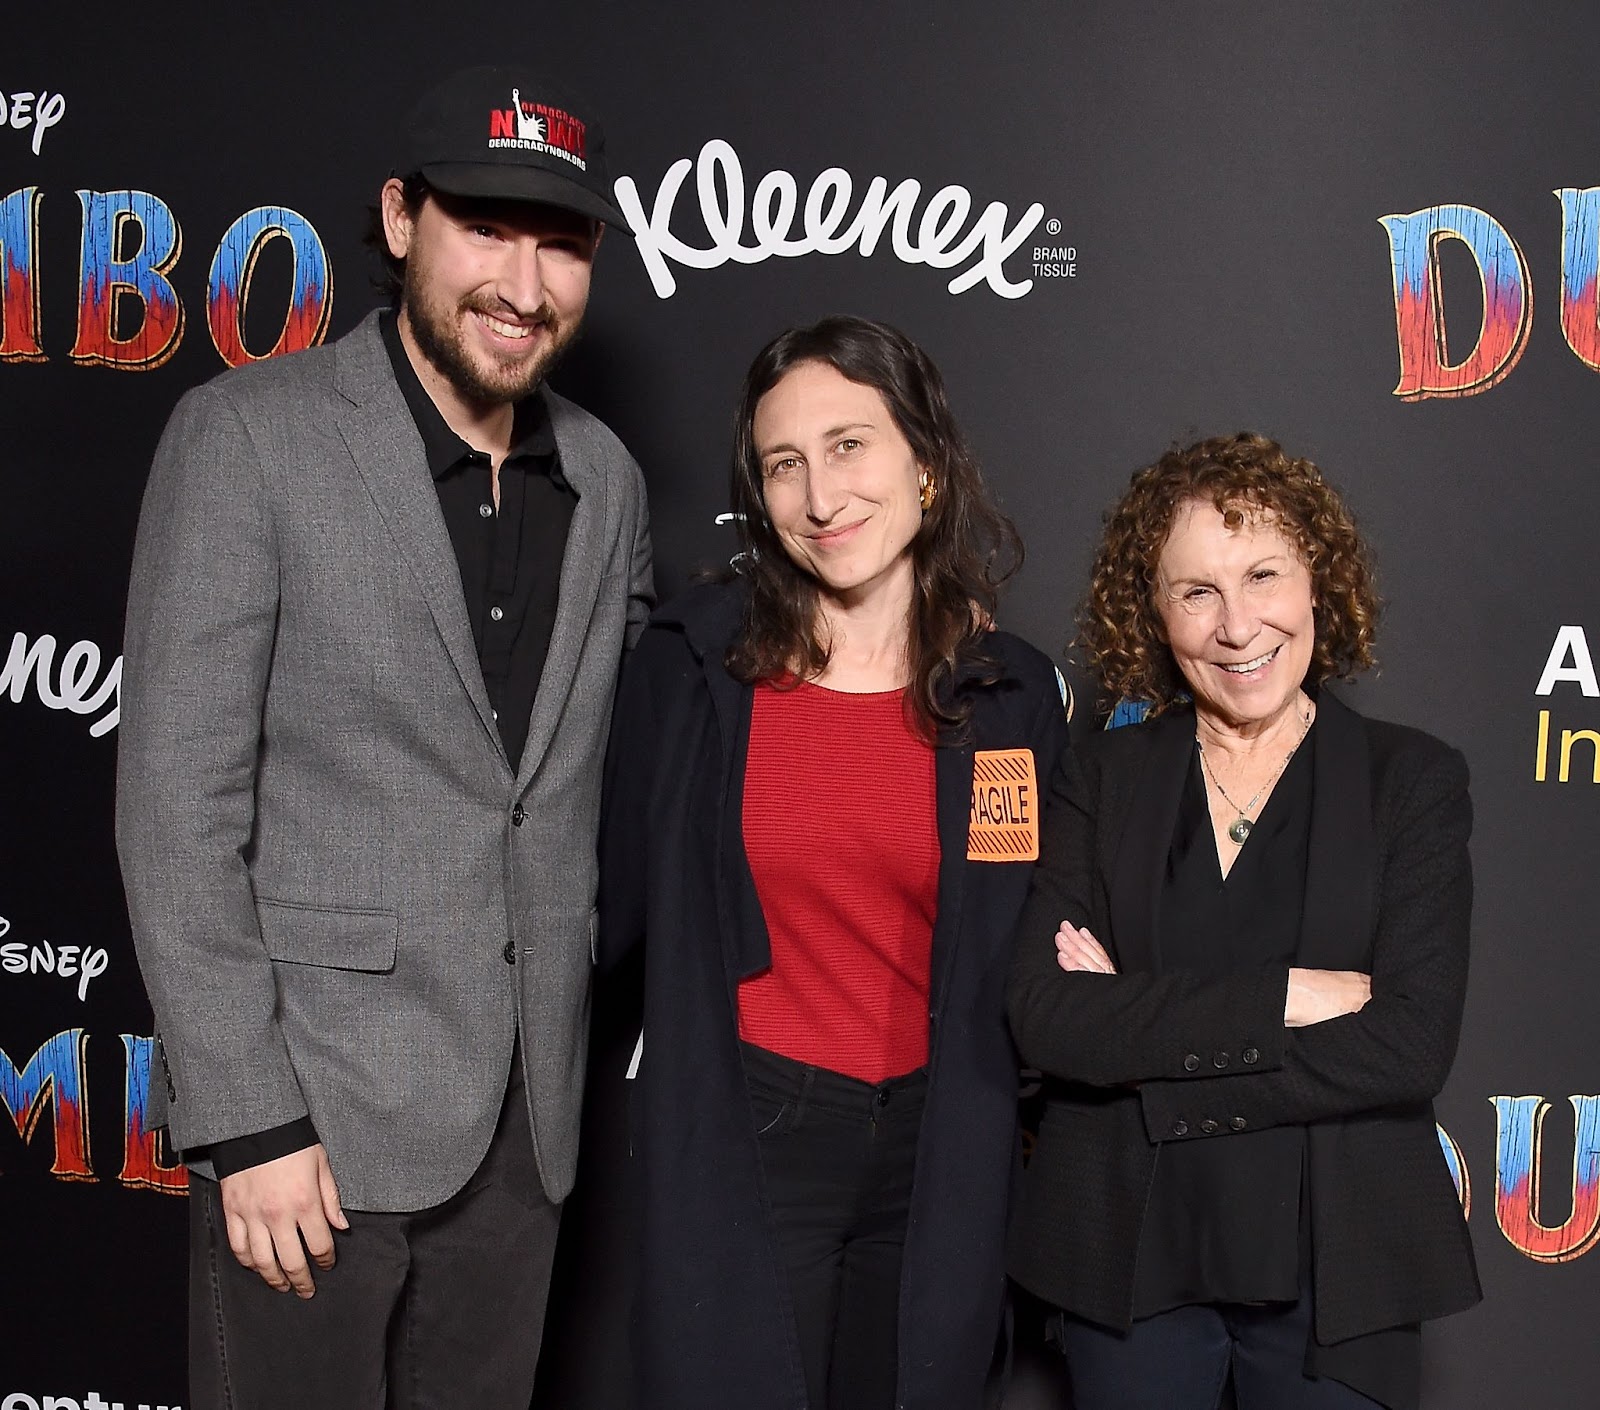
<point x="1239" y="829"/>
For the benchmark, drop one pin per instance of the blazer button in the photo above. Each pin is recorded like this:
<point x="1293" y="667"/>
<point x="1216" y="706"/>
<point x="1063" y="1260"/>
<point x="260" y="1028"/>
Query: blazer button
<point x="1238" y="1123"/>
<point x="1250" y="1056"/>
<point x="509" y="954"/>
<point x="1180" y="1128"/>
<point x="1208" y="1126"/>
<point x="1219" y="1060"/>
<point x="1191" y="1063"/>
<point x="517" y="815"/>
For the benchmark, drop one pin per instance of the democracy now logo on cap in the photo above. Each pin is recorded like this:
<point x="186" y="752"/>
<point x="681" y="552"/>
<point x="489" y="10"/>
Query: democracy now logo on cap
<point x="538" y="127"/>
<point x="504" y="133"/>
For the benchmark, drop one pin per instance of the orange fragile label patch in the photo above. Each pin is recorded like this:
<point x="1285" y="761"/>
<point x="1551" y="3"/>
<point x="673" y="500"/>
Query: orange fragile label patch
<point x="1005" y="807"/>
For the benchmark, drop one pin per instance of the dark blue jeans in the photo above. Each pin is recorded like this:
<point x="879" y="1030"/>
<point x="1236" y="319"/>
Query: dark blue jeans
<point x="1179" y="1360"/>
<point x="838" y="1155"/>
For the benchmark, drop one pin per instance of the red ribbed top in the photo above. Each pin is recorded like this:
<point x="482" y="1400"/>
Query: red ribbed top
<point x="842" y="836"/>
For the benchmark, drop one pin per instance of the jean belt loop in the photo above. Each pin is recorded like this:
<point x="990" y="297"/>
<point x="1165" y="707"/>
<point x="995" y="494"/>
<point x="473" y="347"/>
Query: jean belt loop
<point x="807" y="1081"/>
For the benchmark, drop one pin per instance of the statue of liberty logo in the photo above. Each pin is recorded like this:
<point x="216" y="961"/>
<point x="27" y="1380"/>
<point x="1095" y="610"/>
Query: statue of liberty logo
<point x="530" y="128"/>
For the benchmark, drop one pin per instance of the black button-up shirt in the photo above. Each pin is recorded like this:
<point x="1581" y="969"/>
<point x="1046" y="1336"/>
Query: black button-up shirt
<point x="510" y="560"/>
<point x="1222" y="1222"/>
<point x="510" y="563"/>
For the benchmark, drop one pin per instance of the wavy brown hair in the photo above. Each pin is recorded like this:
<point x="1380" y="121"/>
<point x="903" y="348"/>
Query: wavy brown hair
<point x="963" y="551"/>
<point x="1242" y="476"/>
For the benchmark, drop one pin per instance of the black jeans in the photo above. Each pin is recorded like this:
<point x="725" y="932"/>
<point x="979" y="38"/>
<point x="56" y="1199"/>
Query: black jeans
<point x="838" y="1155"/>
<point x="427" y="1311"/>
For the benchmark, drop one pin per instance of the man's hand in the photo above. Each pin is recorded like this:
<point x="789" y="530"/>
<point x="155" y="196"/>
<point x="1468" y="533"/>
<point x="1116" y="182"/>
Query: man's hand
<point x="1078" y="950"/>
<point x="271" y="1208"/>
<point x="1316" y="995"/>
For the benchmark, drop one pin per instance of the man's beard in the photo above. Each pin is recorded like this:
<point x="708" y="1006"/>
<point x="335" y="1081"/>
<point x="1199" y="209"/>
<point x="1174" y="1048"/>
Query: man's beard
<point x="442" y="340"/>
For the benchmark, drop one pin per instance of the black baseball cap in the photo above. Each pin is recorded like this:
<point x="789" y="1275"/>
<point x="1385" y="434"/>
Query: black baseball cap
<point x="504" y="132"/>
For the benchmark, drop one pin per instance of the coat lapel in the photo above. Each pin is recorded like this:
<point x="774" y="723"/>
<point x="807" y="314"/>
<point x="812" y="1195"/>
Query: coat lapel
<point x="382" y="439"/>
<point x="710" y="626"/>
<point x="1144" y="839"/>
<point x="746" y="944"/>
<point x="1336" y="925"/>
<point x="952" y="776"/>
<point x="582" y="565"/>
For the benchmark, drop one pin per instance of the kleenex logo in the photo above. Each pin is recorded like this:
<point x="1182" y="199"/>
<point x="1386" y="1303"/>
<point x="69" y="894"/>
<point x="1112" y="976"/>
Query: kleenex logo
<point x="940" y="237"/>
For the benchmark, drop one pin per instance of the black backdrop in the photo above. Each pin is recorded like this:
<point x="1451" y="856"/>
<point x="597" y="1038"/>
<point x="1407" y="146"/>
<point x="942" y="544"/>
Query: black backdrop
<point x="1326" y="222"/>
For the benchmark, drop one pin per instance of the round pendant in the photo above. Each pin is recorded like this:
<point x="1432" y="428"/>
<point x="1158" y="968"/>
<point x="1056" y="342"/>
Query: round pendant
<point x="1239" y="830"/>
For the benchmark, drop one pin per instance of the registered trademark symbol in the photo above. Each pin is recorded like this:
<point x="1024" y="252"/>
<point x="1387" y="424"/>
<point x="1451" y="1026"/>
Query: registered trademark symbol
<point x="1052" y="226"/>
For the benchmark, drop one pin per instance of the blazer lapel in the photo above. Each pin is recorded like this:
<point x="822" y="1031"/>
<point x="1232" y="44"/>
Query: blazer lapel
<point x="1144" y="839"/>
<point x="382" y="439"/>
<point x="1336" y="924"/>
<point x="582" y="565"/>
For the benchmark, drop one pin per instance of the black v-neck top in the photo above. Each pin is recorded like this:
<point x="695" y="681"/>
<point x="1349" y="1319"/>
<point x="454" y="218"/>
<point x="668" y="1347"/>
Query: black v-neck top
<point x="1223" y="1222"/>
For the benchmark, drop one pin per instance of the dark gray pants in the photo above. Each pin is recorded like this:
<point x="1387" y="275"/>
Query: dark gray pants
<point x="427" y="1311"/>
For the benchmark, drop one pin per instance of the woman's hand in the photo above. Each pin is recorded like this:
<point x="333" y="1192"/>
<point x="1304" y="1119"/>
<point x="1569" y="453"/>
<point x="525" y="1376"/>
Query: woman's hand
<point x="1078" y="950"/>
<point x="1316" y="995"/>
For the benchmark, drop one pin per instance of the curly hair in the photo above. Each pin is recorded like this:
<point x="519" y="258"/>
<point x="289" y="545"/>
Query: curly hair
<point x="963" y="551"/>
<point x="1244" y="476"/>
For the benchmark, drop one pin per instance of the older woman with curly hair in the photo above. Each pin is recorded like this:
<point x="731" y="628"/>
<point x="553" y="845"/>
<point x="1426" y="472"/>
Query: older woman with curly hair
<point x="1241" y="970"/>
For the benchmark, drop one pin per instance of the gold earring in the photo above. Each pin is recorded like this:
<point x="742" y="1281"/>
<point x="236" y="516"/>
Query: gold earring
<point x="927" y="490"/>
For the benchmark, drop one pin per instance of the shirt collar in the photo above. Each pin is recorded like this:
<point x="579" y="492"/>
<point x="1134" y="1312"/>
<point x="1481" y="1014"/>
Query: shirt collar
<point x="531" y="432"/>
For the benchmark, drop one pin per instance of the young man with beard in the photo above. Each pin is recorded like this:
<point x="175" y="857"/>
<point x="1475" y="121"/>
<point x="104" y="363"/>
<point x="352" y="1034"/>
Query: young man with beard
<point x="380" y="594"/>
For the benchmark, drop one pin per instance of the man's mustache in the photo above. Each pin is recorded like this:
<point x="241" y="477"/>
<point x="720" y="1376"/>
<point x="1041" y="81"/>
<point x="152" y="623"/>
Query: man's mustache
<point x="543" y="317"/>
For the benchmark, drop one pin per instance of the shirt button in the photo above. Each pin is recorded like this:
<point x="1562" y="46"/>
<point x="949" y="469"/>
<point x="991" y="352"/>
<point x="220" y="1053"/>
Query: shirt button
<point x="1208" y="1126"/>
<point x="510" y="952"/>
<point x="1238" y="1123"/>
<point x="495" y="614"/>
<point x="1250" y="1056"/>
<point x="1191" y="1063"/>
<point x="1219" y="1060"/>
<point x="486" y="511"/>
<point x="517" y="815"/>
<point x="1180" y="1128"/>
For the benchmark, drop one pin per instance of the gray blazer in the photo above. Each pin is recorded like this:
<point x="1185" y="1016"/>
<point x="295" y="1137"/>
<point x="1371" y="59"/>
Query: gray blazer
<point x="344" y="900"/>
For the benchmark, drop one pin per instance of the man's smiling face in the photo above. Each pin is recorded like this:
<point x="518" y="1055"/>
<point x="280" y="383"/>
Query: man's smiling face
<point x="494" y="290"/>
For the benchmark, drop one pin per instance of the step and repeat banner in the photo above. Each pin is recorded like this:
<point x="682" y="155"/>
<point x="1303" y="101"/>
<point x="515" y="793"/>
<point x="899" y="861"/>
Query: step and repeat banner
<point x="1370" y="230"/>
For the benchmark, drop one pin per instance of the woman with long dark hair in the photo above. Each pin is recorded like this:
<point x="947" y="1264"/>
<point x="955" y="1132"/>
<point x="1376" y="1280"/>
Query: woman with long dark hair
<point x="821" y="808"/>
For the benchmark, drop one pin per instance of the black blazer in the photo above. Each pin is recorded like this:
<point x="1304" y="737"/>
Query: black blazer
<point x="1140" y="1058"/>
<point x="713" y="1325"/>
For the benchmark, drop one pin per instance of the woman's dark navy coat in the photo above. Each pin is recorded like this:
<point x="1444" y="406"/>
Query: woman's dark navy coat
<point x="713" y="1326"/>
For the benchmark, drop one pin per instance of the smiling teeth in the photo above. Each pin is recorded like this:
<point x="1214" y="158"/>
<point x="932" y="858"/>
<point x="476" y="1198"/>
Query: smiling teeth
<point x="1241" y="668"/>
<point x="505" y="330"/>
